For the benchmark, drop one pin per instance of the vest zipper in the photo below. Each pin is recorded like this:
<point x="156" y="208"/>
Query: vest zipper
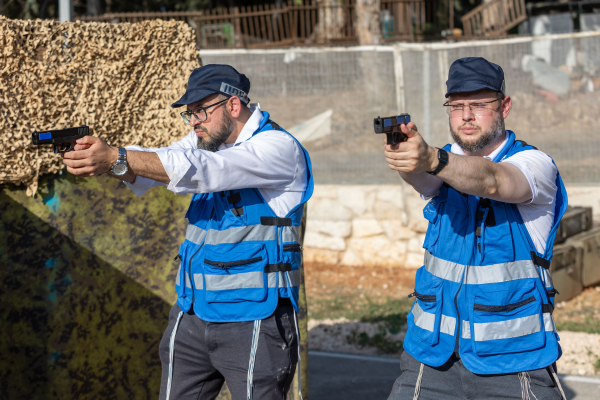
<point x="426" y="298"/>
<point x="190" y="274"/>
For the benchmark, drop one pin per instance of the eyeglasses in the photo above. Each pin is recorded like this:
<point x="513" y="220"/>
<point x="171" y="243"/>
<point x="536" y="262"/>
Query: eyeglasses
<point x="199" y="113"/>
<point x="484" y="109"/>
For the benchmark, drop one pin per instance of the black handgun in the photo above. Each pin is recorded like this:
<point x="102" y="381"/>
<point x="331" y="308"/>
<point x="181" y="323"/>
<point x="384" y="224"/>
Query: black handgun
<point x="391" y="127"/>
<point x="63" y="139"/>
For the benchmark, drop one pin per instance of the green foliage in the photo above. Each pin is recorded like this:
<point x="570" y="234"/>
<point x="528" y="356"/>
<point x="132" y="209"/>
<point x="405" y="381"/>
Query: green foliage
<point x="590" y="325"/>
<point x="379" y="340"/>
<point x="363" y="308"/>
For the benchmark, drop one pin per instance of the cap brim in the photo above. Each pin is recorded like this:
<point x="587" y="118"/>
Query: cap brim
<point x="470" y="86"/>
<point x="194" y="96"/>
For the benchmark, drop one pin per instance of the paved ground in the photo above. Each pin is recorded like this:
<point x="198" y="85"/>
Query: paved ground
<point x="347" y="377"/>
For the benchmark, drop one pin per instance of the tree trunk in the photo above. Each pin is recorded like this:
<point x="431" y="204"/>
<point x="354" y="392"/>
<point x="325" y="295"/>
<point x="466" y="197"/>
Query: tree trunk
<point x="331" y="20"/>
<point x="367" y="21"/>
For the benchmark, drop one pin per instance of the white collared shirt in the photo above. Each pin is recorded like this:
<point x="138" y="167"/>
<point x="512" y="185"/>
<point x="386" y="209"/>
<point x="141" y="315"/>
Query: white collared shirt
<point x="540" y="171"/>
<point x="271" y="162"/>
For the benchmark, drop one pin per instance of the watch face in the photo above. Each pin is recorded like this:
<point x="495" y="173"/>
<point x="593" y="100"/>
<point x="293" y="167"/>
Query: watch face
<point x="119" y="169"/>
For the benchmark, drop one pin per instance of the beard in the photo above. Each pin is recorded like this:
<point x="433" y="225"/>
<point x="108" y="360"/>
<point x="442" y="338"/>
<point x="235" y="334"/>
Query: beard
<point x="213" y="140"/>
<point x="485" y="140"/>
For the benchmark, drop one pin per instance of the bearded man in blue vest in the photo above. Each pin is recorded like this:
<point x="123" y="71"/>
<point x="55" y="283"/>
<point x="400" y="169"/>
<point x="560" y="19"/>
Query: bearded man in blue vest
<point x="481" y="325"/>
<point x="239" y="275"/>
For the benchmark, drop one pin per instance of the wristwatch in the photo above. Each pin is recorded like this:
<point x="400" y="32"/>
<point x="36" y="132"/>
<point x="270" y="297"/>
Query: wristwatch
<point x="443" y="160"/>
<point x="119" y="168"/>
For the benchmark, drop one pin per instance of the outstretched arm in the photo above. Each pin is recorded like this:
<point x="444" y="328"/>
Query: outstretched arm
<point x="93" y="156"/>
<point x="476" y="176"/>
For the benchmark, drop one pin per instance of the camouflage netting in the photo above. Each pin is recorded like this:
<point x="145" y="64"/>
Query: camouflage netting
<point x="119" y="79"/>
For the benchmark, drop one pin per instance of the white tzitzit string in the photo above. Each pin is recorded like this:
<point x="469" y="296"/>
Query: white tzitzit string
<point x="418" y="384"/>
<point x="289" y="282"/>
<point x="171" y="351"/>
<point x="557" y="382"/>
<point x="255" y="335"/>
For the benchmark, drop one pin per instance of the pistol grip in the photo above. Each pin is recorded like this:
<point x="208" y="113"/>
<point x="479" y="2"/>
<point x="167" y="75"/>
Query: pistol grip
<point x="393" y="137"/>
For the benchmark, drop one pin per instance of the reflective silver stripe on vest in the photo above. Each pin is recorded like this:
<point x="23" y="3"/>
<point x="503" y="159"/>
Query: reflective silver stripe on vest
<point x="195" y="234"/>
<point x="247" y="280"/>
<point x="290" y="234"/>
<point x="244" y="280"/>
<point x="198" y="282"/>
<point x="425" y="320"/>
<point x="507" y="329"/>
<point x="294" y="278"/>
<point x="178" y="277"/>
<point x="447" y="270"/>
<point x="549" y="325"/>
<point x="481" y="274"/>
<point x="272" y="279"/>
<point x="240" y="234"/>
<point x="548" y="278"/>
<point x="466" y="330"/>
<point x="448" y="325"/>
<point x="187" y="281"/>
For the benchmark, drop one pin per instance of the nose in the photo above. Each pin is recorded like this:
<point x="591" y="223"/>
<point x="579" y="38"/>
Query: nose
<point x="194" y="120"/>
<point x="467" y="114"/>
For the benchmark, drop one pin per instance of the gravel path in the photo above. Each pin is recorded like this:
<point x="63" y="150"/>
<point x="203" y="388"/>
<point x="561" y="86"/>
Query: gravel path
<point x="580" y="352"/>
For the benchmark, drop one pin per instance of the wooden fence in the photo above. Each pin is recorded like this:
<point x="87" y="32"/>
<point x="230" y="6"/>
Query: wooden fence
<point x="494" y="18"/>
<point x="304" y="22"/>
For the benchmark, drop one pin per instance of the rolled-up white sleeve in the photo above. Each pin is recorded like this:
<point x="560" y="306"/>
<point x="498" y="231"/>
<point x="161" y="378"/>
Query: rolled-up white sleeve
<point x="540" y="172"/>
<point x="142" y="184"/>
<point x="270" y="160"/>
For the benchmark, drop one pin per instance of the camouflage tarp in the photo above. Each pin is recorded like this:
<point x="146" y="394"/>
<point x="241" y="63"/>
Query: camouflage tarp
<point x="87" y="273"/>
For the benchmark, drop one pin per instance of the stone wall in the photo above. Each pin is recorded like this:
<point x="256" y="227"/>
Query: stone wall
<point x="381" y="225"/>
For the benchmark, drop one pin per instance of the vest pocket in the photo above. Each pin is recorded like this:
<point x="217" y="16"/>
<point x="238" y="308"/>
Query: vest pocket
<point x="507" y="321"/>
<point x="450" y="222"/>
<point x="430" y="212"/>
<point x="235" y="274"/>
<point x="426" y="313"/>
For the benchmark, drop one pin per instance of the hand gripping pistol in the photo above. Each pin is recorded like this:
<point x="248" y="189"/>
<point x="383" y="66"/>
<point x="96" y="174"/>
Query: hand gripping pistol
<point x="391" y="127"/>
<point x="63" y="139"/>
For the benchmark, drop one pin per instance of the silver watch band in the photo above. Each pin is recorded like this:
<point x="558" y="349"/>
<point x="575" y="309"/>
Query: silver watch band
<point x="122" y="154"/>
<point x="119" y="168"/>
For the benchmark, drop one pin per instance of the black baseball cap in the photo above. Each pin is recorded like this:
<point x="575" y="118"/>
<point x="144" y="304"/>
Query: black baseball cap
<point x="471" y="74"/>
<point x="215" y="78"/>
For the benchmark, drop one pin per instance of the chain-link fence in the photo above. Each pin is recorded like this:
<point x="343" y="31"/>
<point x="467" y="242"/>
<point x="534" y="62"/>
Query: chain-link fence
<point x="554" y="82"/>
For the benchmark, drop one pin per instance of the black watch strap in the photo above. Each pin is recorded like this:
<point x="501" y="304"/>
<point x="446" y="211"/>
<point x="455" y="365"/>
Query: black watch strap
<point x="442" y="161"/>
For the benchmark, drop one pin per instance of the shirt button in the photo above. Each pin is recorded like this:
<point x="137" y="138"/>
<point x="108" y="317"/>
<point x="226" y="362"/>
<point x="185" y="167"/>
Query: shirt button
<point x="283" y="346"/>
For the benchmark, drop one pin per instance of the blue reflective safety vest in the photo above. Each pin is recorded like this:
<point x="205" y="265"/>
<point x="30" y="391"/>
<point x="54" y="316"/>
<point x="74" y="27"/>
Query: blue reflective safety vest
<point x="484" y="291"/>
<point x="238" y="257"/>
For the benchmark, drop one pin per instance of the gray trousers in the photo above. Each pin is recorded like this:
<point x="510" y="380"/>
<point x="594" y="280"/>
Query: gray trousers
<point x="452" y="381"/>
<point x="207" y="354"/>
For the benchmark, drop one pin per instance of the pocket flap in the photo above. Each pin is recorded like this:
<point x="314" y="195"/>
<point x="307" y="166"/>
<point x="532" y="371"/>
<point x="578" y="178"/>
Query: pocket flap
<point x="235" y="272"/>
<point x="508" y="320"/>
<point x="429" y="212"/>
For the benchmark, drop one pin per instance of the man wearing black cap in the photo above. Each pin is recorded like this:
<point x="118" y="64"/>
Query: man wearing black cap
<point x="237" y="285"/>
<point x="481" y="325"/>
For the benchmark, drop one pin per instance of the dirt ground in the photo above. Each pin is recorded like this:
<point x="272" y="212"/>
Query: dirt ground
<point x="325" y="281"/>
<point x="363" y="310"/>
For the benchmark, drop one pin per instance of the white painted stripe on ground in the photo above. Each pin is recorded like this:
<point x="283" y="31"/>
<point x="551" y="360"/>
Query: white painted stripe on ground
<point x="317" y="353"/>
<point x="353" y="356"/>
<point x="576" y="378"/>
